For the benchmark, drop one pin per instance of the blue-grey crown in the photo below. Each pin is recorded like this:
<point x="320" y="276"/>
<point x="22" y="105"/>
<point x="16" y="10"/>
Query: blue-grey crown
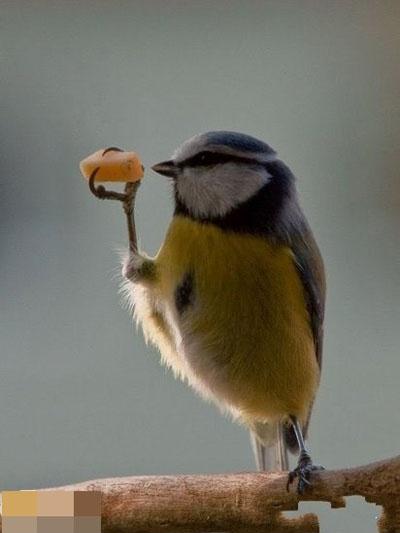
<point x="238" y="141"/>
<point x="225" y="142"/>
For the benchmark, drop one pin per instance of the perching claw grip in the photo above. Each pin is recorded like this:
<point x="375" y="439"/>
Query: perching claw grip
<point x="118" y="166"/>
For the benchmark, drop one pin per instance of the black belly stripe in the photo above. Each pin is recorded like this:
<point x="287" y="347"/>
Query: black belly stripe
<point x="184" y="293"/>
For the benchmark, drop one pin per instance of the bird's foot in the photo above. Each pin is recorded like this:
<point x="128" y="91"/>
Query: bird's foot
<point x="138" y="268"/>
<point x="303" y="472"/>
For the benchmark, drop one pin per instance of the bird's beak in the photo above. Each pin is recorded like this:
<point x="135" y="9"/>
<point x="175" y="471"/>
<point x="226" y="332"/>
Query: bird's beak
<point x="166" y="168"/>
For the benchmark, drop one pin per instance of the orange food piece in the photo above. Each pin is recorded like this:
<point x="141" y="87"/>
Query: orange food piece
<point x="113" y="165"/>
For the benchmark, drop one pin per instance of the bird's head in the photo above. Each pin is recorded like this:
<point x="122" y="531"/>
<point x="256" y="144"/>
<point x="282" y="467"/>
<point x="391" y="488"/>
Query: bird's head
<point x="217" y="171"/>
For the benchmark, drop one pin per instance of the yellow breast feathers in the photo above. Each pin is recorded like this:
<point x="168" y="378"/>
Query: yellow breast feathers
<point x="230" y="316"/>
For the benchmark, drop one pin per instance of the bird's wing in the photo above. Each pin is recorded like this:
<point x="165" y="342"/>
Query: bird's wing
<point x="311" y="272"/>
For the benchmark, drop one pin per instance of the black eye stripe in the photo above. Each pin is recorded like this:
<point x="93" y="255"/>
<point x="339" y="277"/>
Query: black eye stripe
<point x="215" y="158"/>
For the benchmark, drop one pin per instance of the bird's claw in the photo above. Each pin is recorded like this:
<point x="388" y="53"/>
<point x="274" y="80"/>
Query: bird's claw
<point x="112" y="149"/>
<point x="101" y="192"/>
<point x="303" y="473"/>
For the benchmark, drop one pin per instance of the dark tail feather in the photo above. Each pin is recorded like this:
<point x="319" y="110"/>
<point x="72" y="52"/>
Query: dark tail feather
<point x="290" y="439"/>
<point x="289" y="435"/>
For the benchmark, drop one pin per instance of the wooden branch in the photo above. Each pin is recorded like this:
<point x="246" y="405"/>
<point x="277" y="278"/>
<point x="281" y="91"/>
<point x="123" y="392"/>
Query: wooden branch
<point x="243" y="502"/>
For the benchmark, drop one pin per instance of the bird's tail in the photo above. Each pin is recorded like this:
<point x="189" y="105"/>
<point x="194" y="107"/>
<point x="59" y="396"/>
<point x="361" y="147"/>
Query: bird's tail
<point x="269" y="446"/>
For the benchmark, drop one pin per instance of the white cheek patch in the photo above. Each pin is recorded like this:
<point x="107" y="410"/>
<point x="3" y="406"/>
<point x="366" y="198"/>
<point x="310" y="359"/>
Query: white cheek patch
<point x="216" y="191"/>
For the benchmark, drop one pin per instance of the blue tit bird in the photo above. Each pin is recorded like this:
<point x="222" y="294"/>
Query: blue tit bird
<point x="234" y="299"/>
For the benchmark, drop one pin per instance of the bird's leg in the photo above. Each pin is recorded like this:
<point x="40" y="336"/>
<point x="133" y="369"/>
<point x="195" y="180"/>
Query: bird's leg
<point x="135" y="267"/>
<point x="129" y="206"/>
<point x="127" y="198"/>
<point x="305" y="465"/>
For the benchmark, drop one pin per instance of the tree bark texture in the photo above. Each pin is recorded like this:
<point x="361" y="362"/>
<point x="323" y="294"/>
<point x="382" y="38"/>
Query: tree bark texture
<point x="239" y="502"/>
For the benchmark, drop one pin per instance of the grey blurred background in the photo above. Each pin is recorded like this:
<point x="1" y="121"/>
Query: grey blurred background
<point x="81" y="395"/>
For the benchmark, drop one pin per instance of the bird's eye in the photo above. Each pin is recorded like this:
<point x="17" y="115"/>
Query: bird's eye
<point x="207" y="159"/>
